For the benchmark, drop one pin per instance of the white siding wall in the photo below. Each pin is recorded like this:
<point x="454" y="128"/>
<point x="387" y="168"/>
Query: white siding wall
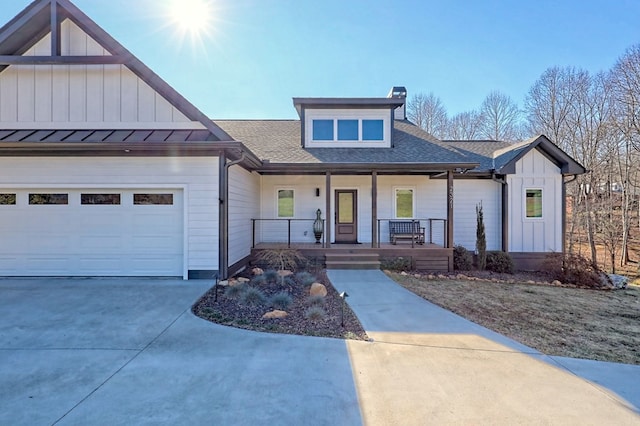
<point x="244" y="205"/>
<point x="70" y="94"/>
<point x="467" y="194"/>
<point x="305" y="205"/>
<point x="535" y="171"/>
<point x="197" y="175"/>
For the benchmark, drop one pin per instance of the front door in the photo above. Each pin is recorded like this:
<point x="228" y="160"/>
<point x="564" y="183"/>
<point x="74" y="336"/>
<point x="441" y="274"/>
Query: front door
<point x="346" y="216"/>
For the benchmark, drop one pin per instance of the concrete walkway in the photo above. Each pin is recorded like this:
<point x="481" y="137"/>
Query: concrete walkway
<point x="428" y="365"/>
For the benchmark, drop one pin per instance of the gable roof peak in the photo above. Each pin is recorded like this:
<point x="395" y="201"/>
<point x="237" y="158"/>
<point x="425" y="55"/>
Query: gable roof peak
<point x="43" y="17"/>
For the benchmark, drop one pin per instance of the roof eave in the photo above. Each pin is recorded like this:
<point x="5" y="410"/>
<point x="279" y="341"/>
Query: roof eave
<point x="359" y="168"/>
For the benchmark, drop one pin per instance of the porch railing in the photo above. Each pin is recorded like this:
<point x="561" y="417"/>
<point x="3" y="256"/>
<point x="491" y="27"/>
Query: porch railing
<point x="431" y="225"/>
<point x="282" y="222"/>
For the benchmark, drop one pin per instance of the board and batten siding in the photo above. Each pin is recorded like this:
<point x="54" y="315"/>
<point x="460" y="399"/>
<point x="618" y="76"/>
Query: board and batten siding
<point x="65" y="95"/>
<point x="196" y="176"/>
<point x="244" y="205"/>
<point x="535" y="171"/>
<point x="467" y="194"/>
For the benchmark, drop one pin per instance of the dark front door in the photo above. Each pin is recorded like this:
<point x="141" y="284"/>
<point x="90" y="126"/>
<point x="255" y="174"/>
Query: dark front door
<point x="346" y="216"/>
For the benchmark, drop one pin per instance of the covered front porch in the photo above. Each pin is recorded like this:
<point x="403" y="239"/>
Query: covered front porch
<point x="355" y="218"/>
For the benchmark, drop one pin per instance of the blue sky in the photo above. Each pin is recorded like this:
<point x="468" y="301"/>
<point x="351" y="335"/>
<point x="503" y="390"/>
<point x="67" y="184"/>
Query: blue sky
<point x="261" y="53"/>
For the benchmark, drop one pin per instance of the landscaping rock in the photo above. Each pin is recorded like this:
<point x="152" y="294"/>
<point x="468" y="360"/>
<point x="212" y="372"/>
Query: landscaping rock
<point x="619" y="281"/>
<point x="403" y="273"/>
<point x="257" y="271"/>
<point x="223" y="283"/>
<point x="285" y="273"/>
<point x="557" y="283"/>
<point x="275" y="314"/>
<point x="318" y="289"/>
<point x="462" y="277"/>
<point x="233" y="282"/>
<point x="431" y="277"/>
<point x="531" y="282"/>
<point x="243" y="280"/>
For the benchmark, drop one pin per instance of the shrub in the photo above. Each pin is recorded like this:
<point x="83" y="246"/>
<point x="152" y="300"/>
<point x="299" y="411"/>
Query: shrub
<point x="253" y="296"/>
<point x="233" y="292"/>
<point x="574" y="269"/>
<point x="316" y="300"/>
<point x="315" y="313"/>
<point x="305" y="278"/>
<point x="499" y="261"/>
<point x="258" y="280"/>
<point x="281" y="300"/>
<point x="271" y="276"/>
<point x="281" y="258"/>
<point x="397" y="264"/>
<point x="289" y="281"/>
<point x="481" y="239"/>
<point x="462" y="259"/>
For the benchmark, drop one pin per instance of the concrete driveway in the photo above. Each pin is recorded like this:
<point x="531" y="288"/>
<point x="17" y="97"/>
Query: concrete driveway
<point x="128" y="351"/>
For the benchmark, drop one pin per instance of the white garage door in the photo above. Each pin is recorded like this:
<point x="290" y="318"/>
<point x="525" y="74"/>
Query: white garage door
<point x="91" y="232"/>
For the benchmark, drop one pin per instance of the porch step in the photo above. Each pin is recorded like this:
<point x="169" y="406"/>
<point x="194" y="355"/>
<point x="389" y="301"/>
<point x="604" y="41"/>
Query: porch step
<point x="352" y="261"/>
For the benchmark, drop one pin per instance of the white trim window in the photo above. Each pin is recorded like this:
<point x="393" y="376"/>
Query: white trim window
<point x="348" y="128"/>
<point x="533" y="203"/>
<point x="285" y="203"/>
<point x="404" y="202"/>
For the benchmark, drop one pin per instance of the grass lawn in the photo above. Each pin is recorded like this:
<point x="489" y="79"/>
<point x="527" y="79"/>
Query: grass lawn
<point x="590" y="324"/>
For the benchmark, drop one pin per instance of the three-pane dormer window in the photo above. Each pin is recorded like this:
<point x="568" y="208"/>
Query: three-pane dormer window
<point x="348" y="130"/>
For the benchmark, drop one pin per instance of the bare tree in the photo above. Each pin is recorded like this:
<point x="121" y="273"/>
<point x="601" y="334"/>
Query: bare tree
<point x="429" y="113"/>
<point x="550" y="102"/>
<point x="625" y="83"/>
<point x="465" y="126"/>
<point x="625" y="78"/>
<point x="500" y="118"/>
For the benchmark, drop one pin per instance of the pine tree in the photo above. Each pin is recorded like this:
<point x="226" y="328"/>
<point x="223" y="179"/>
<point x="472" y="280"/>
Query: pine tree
<point x="481" y="239"/>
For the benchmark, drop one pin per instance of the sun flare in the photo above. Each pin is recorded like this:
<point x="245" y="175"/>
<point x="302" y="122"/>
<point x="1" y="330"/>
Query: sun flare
<point x="192" y="17"/>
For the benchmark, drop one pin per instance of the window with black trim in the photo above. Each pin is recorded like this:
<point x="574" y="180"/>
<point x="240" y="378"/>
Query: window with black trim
<point x="100" y="199"/>
<point x="48" y="199"/>
<point x="7" y="199"/>
<point x="153" y="199"/>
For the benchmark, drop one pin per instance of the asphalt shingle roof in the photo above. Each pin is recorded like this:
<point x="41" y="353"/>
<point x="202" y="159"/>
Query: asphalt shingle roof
<point x="279" y="141"/>
<point x="480" y="152"/>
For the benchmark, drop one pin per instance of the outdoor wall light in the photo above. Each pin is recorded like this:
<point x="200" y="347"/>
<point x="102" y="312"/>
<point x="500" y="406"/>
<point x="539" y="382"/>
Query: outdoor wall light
<point x="317" y="192"/>
<point x="343" y="296"/>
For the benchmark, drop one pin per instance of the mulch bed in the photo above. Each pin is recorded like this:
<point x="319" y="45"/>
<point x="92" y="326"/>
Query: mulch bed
<point x="232" y="312"/>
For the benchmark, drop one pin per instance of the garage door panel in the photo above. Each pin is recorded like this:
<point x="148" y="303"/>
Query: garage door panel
<point x="100" y="240"/>
<point x="106" y="244"/>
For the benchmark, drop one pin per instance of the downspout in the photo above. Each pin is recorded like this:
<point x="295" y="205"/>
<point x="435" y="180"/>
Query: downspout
<point x="504" y="212"/>
<point x="223" y="256"/>
<point x="564" y="212"/>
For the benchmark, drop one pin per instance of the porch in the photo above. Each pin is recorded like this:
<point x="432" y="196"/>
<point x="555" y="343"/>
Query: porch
<point x="426" y="257"/>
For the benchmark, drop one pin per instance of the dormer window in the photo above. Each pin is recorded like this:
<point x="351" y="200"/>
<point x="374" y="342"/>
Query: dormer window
<point x="347" y="128"/>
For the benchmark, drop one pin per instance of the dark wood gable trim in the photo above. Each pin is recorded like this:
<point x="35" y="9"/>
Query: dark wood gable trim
<point x="564" y="161"/>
